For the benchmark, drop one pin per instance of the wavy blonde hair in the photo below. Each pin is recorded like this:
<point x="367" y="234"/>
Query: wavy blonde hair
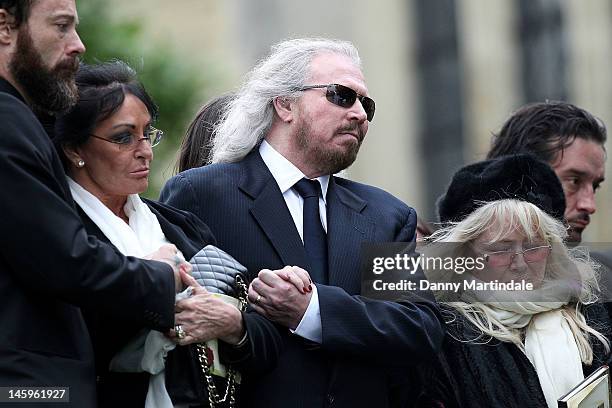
<point x="502" y="217"/>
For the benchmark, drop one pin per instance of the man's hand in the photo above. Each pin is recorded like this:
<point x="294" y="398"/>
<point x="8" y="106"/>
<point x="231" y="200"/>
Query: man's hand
<point x="281" y="296"/>
<point x="205" y="316"/>
<point x="169" y="254"/>
<point x="297" y="276"/>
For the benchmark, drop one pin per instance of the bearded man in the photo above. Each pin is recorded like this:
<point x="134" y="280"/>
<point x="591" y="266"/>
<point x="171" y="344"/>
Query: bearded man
<point x="272" y="200"/>
<point x="572" y="141"/>
<point x="49" y="266"/>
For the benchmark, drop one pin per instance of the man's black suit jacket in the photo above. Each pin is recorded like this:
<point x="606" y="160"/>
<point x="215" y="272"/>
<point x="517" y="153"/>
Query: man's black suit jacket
<point x="365" y="342"/>
<point x="49" y="267"/>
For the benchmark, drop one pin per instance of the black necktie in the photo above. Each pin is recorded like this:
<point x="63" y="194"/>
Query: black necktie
<point x="315" y="239"/>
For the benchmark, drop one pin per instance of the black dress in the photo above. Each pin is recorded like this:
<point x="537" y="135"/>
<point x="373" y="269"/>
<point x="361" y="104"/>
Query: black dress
<point x="495" y="374"/>
<point x="111" y="334"/>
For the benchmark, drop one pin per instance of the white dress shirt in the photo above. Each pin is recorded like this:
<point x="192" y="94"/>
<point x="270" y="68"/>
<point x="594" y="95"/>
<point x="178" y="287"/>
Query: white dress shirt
<point x="286" y="175"/>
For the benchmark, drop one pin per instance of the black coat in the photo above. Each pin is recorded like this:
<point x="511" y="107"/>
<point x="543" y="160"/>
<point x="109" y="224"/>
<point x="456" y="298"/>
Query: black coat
<point x="603" y="255"/>
<point x="495" y="374"/>
<point x="50" y="267"/>
<point x="363" y="339"/>
<point x="189" y="234"/>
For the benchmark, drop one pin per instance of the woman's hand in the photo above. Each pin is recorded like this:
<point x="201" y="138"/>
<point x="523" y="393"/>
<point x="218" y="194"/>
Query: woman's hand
<point x="205" y="316"/>
<point x="296" y="276"/>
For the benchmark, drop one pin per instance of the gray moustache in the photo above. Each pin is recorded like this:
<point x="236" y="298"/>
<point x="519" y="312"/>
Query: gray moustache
<point x="360" y="134"/>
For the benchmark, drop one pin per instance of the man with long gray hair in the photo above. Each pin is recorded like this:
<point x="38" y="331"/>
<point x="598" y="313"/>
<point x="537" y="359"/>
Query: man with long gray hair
<point x="271" y="200"/>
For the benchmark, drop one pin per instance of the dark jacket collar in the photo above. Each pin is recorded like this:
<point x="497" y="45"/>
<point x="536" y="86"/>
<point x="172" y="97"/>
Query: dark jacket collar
<point x="46" y="120"/>
<point x="256" y="176"/>
<point x="5" y="86"/>
<point x="347" y="227"/>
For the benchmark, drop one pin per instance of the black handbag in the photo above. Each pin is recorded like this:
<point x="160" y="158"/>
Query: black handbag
<point x="188" y="368"/>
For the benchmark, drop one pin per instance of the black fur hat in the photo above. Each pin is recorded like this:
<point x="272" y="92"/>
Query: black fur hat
<point x="522" y="177"/>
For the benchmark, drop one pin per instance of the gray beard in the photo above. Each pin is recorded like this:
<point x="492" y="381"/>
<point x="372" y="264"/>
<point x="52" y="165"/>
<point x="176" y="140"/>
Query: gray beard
<point x="327" y="161"/>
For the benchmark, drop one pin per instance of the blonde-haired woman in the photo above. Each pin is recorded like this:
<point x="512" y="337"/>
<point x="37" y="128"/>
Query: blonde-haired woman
<point x="512" y="348"/>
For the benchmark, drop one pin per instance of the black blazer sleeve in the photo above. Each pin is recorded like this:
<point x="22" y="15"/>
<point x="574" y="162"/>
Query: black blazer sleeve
<point x="378" y="328"/>
<point x="45" y="246"/>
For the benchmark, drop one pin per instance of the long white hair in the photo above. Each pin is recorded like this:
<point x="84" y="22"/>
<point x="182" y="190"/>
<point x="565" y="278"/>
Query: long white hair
<point x="250" y="114"/>
<point x="506" y="216"/>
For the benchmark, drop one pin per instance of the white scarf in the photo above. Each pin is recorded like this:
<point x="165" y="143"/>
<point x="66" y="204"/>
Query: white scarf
<point x="141" y="237"/>
<point x="549" y="344"/>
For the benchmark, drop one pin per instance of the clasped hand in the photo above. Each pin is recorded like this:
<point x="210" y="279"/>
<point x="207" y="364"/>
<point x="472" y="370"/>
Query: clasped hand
<point x="282" y="295"/>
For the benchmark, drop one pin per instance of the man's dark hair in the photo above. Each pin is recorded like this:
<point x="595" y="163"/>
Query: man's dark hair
<point x="20" y="9"/>
<point x="102" y="90"/>
<point x="544" y="129"/>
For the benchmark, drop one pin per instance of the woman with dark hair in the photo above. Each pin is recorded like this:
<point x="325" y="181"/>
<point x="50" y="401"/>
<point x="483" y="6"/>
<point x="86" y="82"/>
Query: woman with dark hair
<point x="197" y="143"/>
<point x="508" y="345"/>
<point x="107" y="145"/>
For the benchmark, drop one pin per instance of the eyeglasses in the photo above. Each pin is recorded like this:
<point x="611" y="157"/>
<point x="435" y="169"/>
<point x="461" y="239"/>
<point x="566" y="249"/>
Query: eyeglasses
<point x="505" y="258"/>
<point x="128" y="141"/>
<point x="345" y="97"/>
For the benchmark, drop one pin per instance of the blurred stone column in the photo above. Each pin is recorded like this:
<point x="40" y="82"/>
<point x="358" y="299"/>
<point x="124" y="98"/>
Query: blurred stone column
<point x="491" y="75"/>
<point x="544" y="47"/>
<point x="440" y="96"/>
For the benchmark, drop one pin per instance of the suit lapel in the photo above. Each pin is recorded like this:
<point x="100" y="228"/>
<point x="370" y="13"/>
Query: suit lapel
<point x="175" y="234"/>
<point x="347" y="229"/>
<point x="270" y="211"/>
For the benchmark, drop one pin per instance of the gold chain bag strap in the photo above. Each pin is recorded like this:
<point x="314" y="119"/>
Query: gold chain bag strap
<point x="219" y="273"/>
<point x="229" y="395"/>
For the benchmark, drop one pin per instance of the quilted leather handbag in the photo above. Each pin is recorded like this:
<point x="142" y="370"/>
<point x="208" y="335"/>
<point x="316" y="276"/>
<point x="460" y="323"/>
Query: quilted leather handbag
<point x="187" y="368"/>
<point x="217" y="271"/>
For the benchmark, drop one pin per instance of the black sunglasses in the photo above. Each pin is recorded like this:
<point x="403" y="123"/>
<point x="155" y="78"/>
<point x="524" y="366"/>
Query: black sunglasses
<point x="345" y="97"/>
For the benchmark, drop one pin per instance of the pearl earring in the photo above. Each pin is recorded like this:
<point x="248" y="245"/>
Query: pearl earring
<point x="80" y="163"/>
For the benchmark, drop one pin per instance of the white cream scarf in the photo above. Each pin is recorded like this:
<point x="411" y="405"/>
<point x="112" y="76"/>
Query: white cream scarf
<point x="549" y="344"/>
<point x="141" y="237"/>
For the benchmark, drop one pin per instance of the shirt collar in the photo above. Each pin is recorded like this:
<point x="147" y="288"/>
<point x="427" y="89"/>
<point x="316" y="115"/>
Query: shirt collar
<point x="284" y="172"/>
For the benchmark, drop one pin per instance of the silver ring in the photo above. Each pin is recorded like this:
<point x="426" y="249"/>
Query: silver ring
<point x="257" y="299"/>
<point x="180" y="332"/>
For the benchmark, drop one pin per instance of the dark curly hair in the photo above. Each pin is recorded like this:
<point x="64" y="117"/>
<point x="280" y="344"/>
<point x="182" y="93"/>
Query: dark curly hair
<point x="544" y="129"/>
